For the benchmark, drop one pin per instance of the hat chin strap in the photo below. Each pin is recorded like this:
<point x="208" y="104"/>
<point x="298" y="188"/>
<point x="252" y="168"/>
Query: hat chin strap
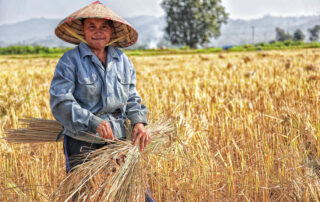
<point x="84" y="41"/>
<point x="74" y="34"/>
<point x="115" y="40"/>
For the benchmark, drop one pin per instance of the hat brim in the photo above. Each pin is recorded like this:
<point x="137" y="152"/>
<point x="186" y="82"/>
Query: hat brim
<point x="123" y="33"/>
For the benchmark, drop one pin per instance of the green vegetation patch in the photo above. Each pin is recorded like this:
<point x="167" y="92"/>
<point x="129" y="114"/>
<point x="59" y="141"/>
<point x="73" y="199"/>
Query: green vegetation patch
<point x="56" y="52"/>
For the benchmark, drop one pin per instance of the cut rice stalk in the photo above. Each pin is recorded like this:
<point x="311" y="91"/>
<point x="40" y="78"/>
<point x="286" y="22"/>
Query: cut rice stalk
<point x="101" y="178"/>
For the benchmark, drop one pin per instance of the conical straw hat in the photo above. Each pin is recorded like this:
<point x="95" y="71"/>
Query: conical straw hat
<point x="70" y="29"/>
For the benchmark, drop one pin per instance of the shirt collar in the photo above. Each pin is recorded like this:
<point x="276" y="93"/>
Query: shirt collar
<point x="85" y="51"/>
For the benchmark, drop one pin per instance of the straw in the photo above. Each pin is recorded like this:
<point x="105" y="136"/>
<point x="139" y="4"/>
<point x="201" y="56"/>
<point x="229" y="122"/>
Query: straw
<point x="70" y="29"/>
<point x="34" y="130"/>
<point x="112" y="173"/>
<point x="115" y="172"/>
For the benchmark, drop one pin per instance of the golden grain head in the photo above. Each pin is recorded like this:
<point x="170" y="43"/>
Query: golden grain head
<point x="251" y="134"/>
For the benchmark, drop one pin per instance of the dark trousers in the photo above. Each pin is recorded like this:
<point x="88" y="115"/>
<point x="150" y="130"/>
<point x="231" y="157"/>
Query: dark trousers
<point x="74" y="147"/>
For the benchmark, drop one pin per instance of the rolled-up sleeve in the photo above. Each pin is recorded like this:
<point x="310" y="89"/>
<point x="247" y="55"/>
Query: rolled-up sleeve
<point x="64" y="106"/>
<point x="136" y="112"/>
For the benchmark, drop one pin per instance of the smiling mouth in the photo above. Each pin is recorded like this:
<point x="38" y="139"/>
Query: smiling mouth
<point x="98" y="38"/>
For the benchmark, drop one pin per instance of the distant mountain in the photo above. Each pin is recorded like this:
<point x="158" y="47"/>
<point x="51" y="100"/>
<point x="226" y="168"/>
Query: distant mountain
<point x="41" y="31"/>
<point x="240" y="31"/>
<point x="151" y="30"/>
<point x="2" y="44"/>
<point x="29" y="32"/>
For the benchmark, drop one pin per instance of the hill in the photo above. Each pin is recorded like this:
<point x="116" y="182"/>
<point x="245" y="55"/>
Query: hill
<point x="240" y="31"/>
<point x="151" y="30"/>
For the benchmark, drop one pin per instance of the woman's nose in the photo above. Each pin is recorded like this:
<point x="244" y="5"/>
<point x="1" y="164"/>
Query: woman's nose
<point x="99" y="30"/>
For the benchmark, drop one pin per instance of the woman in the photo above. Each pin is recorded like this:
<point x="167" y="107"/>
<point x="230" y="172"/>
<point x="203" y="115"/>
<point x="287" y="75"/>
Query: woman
<point x="93" y="89"/>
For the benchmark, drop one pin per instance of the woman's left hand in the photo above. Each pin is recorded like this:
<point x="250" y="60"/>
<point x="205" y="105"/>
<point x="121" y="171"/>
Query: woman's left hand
<point x="141" y="135"/>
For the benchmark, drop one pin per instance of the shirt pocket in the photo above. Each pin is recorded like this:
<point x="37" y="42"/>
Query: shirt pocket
<point x="123" y="85"/>
<point x="123" y="78"/>
<point x="88" y="90"/>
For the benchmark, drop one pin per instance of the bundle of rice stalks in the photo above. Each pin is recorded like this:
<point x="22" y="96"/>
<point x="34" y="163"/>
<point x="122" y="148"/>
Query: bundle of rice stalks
<point x="115" y="172"/>
<point x="112" y="173"/>
<point x="34" y="130"/>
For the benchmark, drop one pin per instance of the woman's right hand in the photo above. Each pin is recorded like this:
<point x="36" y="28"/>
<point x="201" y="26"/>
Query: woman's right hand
<point x="105" y="131"/>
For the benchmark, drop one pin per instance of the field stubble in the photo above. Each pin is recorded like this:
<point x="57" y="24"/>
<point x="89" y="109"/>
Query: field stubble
<point x="248" y="123"/>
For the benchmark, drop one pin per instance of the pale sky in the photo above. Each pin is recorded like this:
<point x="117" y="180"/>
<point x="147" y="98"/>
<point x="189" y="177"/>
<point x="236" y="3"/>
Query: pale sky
<point x="19" y="10"/>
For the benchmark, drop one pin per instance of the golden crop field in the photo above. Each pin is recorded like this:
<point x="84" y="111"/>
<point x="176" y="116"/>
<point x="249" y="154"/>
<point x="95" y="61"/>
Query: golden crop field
<point x="249" y="126"/>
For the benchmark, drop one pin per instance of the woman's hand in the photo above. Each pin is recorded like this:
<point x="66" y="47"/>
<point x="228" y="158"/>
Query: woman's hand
<point x="105" y="131"/>
<point x="141" y="135"/>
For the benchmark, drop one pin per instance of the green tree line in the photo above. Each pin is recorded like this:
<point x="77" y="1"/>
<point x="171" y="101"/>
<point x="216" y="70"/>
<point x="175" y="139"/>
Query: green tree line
<point x="298" y="35"/>
<point x="31" y="50"/>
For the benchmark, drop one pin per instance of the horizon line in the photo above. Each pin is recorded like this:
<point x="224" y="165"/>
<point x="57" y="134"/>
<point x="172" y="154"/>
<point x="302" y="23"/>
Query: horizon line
<point x="244" y="19"/>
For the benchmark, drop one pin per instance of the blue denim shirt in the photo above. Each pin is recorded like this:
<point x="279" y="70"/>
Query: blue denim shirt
<point x="83" y="93"/>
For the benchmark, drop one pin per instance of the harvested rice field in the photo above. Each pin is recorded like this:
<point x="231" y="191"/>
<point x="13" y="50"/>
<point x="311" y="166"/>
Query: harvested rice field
<point x="248" y="126"/>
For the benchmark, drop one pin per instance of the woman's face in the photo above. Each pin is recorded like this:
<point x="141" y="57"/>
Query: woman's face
<point x="97" y="32"/>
